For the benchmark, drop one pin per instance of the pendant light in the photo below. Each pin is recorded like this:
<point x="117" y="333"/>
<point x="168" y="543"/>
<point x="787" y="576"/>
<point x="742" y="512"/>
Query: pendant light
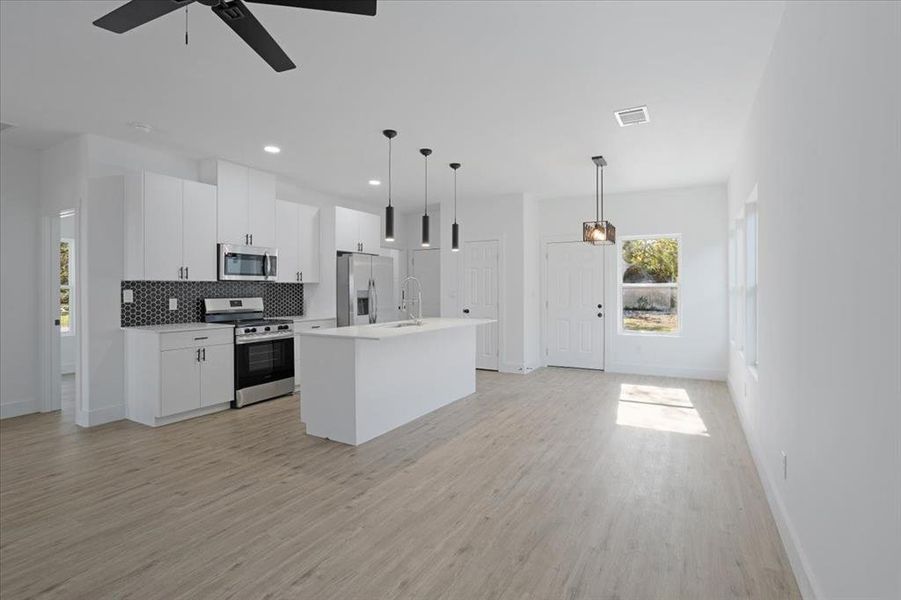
<point x="599" y="231"/>
<point x="425" y="217"/>
<point x="455" y="228"/>
<point x="389" y="210"/>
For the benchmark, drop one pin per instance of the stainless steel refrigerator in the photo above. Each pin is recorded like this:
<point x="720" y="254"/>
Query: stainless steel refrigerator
<point x="365" y="291"/>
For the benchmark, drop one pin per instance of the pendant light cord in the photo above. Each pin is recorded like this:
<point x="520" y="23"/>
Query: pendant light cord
<point x="455" y="195"/>
<point x="389" y="171"/>
<point x="426" y="185"/>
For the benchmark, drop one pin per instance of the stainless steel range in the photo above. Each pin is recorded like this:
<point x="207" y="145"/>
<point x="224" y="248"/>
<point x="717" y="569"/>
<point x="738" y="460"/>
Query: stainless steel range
<point x="264" y="348"/>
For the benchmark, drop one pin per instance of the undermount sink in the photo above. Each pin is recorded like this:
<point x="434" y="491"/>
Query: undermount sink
<point x="402" y="324"/>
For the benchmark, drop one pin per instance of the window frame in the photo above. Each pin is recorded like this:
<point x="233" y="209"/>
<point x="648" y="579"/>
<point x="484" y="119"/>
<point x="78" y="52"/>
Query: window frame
<point x="71" y="287"/>
<point x="752" y="280"/>
<point x="620" y="270"/>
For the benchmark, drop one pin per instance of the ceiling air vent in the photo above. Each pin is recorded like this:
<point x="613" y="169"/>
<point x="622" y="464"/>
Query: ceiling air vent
<point x="632" y="116"/>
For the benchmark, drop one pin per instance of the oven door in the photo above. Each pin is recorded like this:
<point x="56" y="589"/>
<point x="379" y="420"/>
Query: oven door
<point x="264" y="361"/>
<point x="247" y="263"/>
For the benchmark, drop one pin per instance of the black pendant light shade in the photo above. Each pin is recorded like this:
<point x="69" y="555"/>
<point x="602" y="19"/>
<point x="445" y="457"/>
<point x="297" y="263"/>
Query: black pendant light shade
<point x="455" y="228"/>
<point x="389" y="210"/>
<point x="599" y="231"/>
<point x="425" y="217"/>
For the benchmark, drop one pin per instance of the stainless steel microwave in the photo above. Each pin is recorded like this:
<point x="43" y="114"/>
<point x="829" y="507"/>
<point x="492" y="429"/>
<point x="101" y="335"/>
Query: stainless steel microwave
<point x="247" y="263"/>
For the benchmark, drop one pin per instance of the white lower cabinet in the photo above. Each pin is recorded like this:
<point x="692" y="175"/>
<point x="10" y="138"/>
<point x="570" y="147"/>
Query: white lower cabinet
<point x="304" y="325"/>
<point x="174" y="374"/>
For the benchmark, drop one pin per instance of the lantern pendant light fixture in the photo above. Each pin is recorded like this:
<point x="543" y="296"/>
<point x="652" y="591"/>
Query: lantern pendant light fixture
<point x="425" y="217"/>
<point x="389" y="210"/>
<point x="599" y="231"/>
<point x="455" y="228"/>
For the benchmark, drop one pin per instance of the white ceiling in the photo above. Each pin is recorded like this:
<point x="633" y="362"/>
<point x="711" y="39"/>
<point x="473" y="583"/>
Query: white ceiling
<point x="521" y="93"/>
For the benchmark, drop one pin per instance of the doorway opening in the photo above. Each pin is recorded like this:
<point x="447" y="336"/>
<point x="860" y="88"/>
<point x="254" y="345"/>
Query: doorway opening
<point x="68" y="333"/>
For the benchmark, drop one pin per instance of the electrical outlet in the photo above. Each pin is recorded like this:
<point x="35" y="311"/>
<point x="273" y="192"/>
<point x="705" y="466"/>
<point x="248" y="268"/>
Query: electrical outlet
<point x="128" y="296"/>
<point x="173" y="303"/>
<point x="784" y="465"/>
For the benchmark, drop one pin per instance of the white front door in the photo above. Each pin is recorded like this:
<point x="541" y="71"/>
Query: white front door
<point x="480" y="281"/>
<point x="425" y="265"/>
<point x="575" y="305"/>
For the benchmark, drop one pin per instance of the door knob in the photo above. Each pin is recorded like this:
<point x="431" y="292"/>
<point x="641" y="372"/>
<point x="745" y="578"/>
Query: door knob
<point x="465" y="311"/>
<point x="600" y="315"/>
<point x="600" y="306"/>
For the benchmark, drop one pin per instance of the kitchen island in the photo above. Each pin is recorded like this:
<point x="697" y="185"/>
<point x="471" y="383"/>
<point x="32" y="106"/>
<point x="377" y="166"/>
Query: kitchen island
<point x="362" y="381"/>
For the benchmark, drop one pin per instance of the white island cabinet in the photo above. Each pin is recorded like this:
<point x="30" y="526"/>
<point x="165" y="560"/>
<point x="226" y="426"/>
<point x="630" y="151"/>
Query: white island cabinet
<point x="175" y="372"/>
<point x="360" y="382"/>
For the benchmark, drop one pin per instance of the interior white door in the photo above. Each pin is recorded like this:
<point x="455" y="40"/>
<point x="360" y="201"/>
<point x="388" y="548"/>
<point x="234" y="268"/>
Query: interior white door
<point x="575" y="305"/>
<point x="261" y="208"/>
<point x="199" y="231"/>
<point x="179" y="381"/>
<point x="217" y="374"/>
<point x="425" y="265"/>
<point x="162" y="227"/>
<point x="308" y="243"/>
<point x="286" y="240"/>
<point x="232" y="203"/>
<point x="480" y="297"/>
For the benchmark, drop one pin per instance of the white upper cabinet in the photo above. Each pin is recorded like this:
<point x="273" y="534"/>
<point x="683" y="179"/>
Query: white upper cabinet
<point x="199" y="231"/>
<point x="170" y="229"/>
<point x="308" y="243"/>
<point x="297" y="240"/>
<point x="232" y="185"/>
<point x="357" y="231"/>
<point x="246" y="204"/>
<point x="286" y="240"/>
<point x="261" y="208"/>
<point x="162" y="228"/>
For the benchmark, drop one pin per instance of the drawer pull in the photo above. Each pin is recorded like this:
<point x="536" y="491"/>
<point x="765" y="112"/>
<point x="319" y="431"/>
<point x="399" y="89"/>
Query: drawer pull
<point x="205" y="337"/>
<point x="315" y="326"/>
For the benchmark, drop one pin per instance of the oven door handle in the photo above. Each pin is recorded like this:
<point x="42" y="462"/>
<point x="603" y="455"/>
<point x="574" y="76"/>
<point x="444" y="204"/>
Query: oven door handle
<point x="286" y="336"/>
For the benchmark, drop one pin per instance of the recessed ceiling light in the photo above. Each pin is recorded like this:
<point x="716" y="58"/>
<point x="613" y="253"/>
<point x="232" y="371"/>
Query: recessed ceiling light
<point x="142" y="127"/>
<point x="272" y="149"/>
<point x="632" y="116"/>
<point x="375" y="182"/>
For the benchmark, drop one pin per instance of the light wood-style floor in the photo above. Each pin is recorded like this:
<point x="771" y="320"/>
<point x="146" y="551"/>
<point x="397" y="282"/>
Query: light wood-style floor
<point x="541" y="487"/>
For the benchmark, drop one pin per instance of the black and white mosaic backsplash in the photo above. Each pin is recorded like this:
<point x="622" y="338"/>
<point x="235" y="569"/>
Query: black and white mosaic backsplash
<point x="151" y="299"/>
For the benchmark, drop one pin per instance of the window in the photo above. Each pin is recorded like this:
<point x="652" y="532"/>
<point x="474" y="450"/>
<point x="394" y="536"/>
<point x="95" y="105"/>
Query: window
<point x="751" y="279"/>
<point x="733" y="283"/>
<point x="649" y="284"/>
<point x="66" y="286"/>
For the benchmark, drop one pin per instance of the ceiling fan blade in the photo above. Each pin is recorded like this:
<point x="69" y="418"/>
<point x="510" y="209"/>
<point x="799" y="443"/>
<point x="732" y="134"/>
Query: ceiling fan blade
<point x="137" y="12"/>
<point x="357" y="7"/>
<point x="237" y="16"/>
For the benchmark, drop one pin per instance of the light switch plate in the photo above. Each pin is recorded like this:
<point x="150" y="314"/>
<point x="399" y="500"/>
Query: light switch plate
<point x="128" y="296"/>
<point x="173" y="303"/>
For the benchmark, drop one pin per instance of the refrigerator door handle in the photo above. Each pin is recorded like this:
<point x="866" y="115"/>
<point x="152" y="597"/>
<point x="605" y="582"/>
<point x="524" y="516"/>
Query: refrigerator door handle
<point x="374" y="300"/>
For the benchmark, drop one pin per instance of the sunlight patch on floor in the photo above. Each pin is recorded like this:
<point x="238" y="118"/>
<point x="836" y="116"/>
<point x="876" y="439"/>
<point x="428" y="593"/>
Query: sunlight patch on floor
<point x="658" y="408"/>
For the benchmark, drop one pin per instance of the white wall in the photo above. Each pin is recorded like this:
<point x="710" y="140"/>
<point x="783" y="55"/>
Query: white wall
<point x="699" y="215"/>
<point x="20" y="212"/>
<point x="822" y="145"/>
<point x="499" y="218"/>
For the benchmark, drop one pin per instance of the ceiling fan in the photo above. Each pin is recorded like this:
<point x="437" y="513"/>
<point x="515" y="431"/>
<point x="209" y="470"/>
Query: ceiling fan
<point x="235" y="14"/>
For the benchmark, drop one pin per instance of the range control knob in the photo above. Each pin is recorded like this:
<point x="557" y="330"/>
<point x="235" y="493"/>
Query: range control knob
<point x="281" y="327"/>
<point x="266" y="329"/>
<point x="250" y="330"/>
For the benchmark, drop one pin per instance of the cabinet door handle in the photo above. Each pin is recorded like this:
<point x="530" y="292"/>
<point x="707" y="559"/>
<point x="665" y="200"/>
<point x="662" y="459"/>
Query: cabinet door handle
<point x="203" y="337"/>
<point x="251" y="239"/>
<point x="181" y="272"/>
<point x="187" y="276"/>
<point x="198" y="355"/>
<point x="204" y="354"/>
<point x="301" y="276"/>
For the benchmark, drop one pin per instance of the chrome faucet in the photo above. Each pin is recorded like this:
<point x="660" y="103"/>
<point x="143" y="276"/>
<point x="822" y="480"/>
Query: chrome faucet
<point x="403" y="287"/>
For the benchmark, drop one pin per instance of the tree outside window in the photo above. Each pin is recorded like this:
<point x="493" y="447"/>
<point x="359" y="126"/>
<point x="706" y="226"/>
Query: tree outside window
<point x="649" y="287"/>
<point x="66" y="259"/>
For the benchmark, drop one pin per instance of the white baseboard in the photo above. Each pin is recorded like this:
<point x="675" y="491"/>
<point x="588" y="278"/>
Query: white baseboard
<point x="516" y="369"/>
<point x="107" y="414"/>
<point x="19" y="408"/>
<point x="809" y="588"/>
<point x="660" y="370"/>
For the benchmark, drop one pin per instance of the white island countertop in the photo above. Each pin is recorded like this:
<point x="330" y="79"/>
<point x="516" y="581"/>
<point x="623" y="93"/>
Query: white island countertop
<point x="390" y="330"/>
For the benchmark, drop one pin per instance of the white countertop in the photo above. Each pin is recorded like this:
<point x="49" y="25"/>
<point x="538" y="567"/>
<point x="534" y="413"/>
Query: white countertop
<point x="384" y="331"/>
<point x="306" y="317"/>
<point x="177" y="327"/>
